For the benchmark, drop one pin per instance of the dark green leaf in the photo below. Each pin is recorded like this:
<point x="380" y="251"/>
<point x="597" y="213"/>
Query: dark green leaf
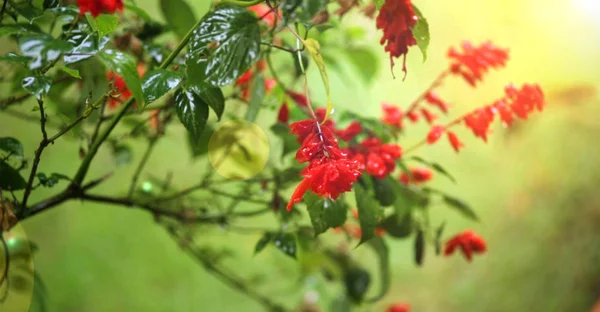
<point x="49" y="4"/>
<point x="26" y="9"/>
<point x="419" y="247"/>
<point x="42" y="48"/>
<point x="86" y="44"/>
<point x="297" y="67"/>
<point x="72" y="72"/>
<point x="263" y="242"/>
<point x="438" y="238"/>
<point x="384" y="191"/>
<point x="383" y="257"/>
<point x="212" y="96"/>
<point x="379" y="4"/>
<point x="53" y="179"/>
<point x="369" y="212"/>
<point x="461" y="206"/>
<point x="365" y="62"/>
<point x="126" y="66"/>
<point x="436" y="167"/>
<point x="18" y="29"/>
<point x="421" y="32"/>
<point x="286" y="242"/>
<point x="158" y="82"/>
<point x="37" y="85"/>
<point x="357" y="283"/>
<point x="192" y="112"/>
<point x="310" y="8"/>
<point x="106" y="24"/>
<point x="398" y="226"/>
<point x="122" y="155"/>
<point x="179" y="16"/>
<point x="200" y="147"/>
<point x="228" y="38"/>
<point x="325" y="213"/>
<point x="258" y="94"/>
<point x="12" y="146"/>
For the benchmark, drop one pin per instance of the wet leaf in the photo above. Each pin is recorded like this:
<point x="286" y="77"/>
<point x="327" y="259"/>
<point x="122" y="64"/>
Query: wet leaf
<point x="86" y="44"/>
<point x="286" y="242"/>
<point x="42" y="48"/>
<point x="72" y="72"/>
<point x="438" y="238"/>
<point x="158" y="83"/>
<point x="421" y="32"/>
<point x="126" y="66"/>
<point x="106" y="23"/>
<point x="263" y="242"/>
<point x="398" y="226"/>
<point x="37" y="85"/>
<point x="369" y="212"/>
<point x="384" y="191"/>
<point x="192" y="112"/>
<point x="325" y="213"/>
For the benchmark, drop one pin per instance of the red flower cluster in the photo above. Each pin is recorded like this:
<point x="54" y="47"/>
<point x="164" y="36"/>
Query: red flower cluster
<point x="392" y="115"/>
<point x="265" y="13"/>
<point x="468" y="242"/>
<point x="353" y="129"/>
<point x="472" y="62"/>
<point x="329" y="172"/>
<point x="397" y="18"/>
<point x="419" y="175"/>
<point x="96" y="7"/>
<point x="398" y="307"/>
<point x="244" y="81"/>
<point x="379" y="160"/>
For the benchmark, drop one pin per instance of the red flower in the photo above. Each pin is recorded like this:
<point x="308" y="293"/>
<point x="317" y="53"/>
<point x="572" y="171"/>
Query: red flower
<point x="399" y="307"/>
<point x="353" y="129"/>
<point x="473" y="62"/>
<point x="434" y="100"/>
<point x="96" y="7"/>
<point x="376" y="158"/>
<point x="429" y="116"/>
<point x="284" y="113"/>
<point x="504" y="111"/>
<point x="397" y="18"/>
<point x="435" y="133"/>
<point x="413" y="116"/>
<point x="244" y="81"/>
<point x="264" y="12"/>
<point x="392" y="115"/>
<point x="298" y="98"/>
<point x="320" y="113"/>
<point x="524" y="101"/>
<point x="468" y="242"/>
<point x="419" y="175"/>
<point x="456" y="143"/>
<point x="479" y="121"/>
<point x="122" y="93"/>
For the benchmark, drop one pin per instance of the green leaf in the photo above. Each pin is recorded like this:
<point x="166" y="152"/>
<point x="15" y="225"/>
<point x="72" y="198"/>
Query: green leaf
<point x="436" y="167"/>
<point x="192" y="111"/>
<point x="297" y="66"/>
<point x="365" y="62"/>
<point x="419" y="247"/>
<point x="310" y="8"/>
<point x="258" y="94"/>
<point x="357" y="283"/>
<point x="10" y="179"/>
<point x="263" y="242"/>
<point x="200" y="147"/>
<point x="72" y="72"/>
<point x="314" y="48"/>
<point x="26" y="9"/>
<point x="379" y="4"/>
<point x="383" y="257"/>
<point x="42" y="48"/>
<point x="398" y="226"/>
<point x="461" y="206"/>
<point x="228" y="40"/>
<point x="340" y="304"/>
<point x="49" y="4"/>
<point x="122" y="155"/>
<point x="369" y="212"/>
<point x="106" y="23"/>
<point x="325" y="213"/>
<point x="158" y="83"/>
<point x="18" y="29"/>
<point x="421" y="32"/>
<point x="179" y="16"/>
<point x="213" y="96"/>
<point x="384" y="191"/>
<point x="52" y="180"/>
<point x="126" y="66"/>
<point x="286" y="242"/>
<point x="438" y="238"/>
<point x="37" y="85"/>
<point x="12" y="146"/>
<point x="86" y="44"/>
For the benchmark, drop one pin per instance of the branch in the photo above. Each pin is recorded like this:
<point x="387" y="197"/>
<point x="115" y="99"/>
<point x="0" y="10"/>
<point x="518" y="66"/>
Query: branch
<point x="436" y="83"/>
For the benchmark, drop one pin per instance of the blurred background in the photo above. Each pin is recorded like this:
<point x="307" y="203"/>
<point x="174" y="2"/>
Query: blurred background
<point x="533" y="185"/>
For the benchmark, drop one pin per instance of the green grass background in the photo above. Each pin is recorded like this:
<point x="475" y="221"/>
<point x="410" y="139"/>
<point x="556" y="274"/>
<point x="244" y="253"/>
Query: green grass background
<point x="534" y="186"/>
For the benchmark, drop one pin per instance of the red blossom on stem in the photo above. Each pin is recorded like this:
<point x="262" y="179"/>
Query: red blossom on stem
<point x="419" y="175"/>
<point x="397" y="18"/>
<point x="353" y="129"/>
<point x="283" y="115"/>
<point x="97" y="7"/>
<point x="479" y="121"/>
<point x="244" y="82"/>
<point x="428" y="115"/>
<point x="435" y="133"/>
<point x="298" y="98"/>
<point x="392" y="115"/>
<point x="468" y="242"/>
<point x="122" y="93"/>
<point x="433" y="99"/>
<point x="454" y="141"/>
<point x="398" y="307"/>
<point x="473" y="62"/>
<point x="379" y="160"/>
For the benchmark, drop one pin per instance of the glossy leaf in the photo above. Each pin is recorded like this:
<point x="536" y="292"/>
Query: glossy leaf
<point x="200" y="147"/>
<point x="192" y="111"/>
<point x="315" y="50"/>
<point x="461" y="206"/>
<point x="26" y="9"/>
<point x="213" y="96"/>
<point x="11" y="146"/>
<point x="10" y="179"/>
<point x="369" y="212"/>
<point x="49" y="4"/>
<point x="42" y="48"/>
<point x="126" y="66"/>
<point x="72" y="72"/>
<point x="37" y="85"/>
<point x="421" y="33"/>
<point x="14" y="58"/>
<point x="228" y="40"/>
<point x="383" y="259"/>
<point x="325" y="213"/>
<point x="398" y="226"/>
<point x="357" y="283"/>
<point x="286" y="242"/>
<point x="263" y="242"/>
<point x="419" y="247"/>
<point x="158" y="83"/>
<point x="179" y="16"/>
<point x="384" y="191"/>
<point x="86" y="44"/>
<point x="258" y="94"/>
<point x="106" y="23"/>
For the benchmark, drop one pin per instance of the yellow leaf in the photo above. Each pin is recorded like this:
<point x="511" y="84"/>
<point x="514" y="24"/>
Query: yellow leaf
<point x="313" y="47"/>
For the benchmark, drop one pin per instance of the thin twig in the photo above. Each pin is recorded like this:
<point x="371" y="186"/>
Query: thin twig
<point x="436" y="83"/>
<point x="38" y="154"/>
<point x="141" y="166"/>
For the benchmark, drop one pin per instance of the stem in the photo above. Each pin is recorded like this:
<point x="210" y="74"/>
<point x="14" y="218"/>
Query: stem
<point x="281" y="48"/>
<point x="424" y="141"/>
<point x="141" y="166"/>
<point x="38" y="154"/>
<point x="243" y="3"/>
<point x="436" y="83"/>
<point x="85" y="165"/>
